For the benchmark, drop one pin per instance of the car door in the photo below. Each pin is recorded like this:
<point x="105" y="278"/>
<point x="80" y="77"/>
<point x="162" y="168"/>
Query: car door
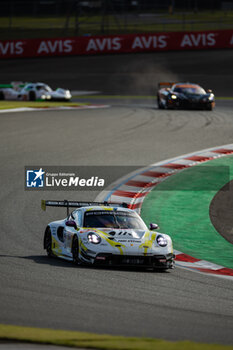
<point x="69" y="232"/>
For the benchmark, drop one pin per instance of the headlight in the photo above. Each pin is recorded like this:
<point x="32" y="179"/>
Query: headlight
<point x="174" y="97"/>
<point x="93" y="238"/>
<point x="162" y="241"/>
<point x="208" y="98"/>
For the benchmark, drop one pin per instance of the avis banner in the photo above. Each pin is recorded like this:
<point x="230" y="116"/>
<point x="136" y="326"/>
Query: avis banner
<point x="89" y="45"/>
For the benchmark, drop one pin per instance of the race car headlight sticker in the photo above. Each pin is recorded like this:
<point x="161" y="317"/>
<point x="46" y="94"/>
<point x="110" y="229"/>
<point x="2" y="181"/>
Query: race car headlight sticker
<point x="174" y="97"/>
<point x="162" y="242"/>
<point x="93" y="238"/>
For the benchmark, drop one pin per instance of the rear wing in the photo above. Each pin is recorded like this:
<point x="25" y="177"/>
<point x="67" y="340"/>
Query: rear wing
<point x="73" y="204"/>
<point x="165" y="84"/>
<point x="16" y="85"/>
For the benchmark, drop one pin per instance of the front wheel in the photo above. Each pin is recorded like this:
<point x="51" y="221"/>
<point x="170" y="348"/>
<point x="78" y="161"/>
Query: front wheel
<point x="32" y="96"/>
<point x="159" y="103"/>
<point x="75" y="250"/>
<point x="2" y="97"/>
<point x="48" y="242"/>
<point x="209" y="107"/>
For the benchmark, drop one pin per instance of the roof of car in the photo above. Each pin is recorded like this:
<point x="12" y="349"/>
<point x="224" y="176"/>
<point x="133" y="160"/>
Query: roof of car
<point x="186" y="85"/>
<point x="106" y="208"/>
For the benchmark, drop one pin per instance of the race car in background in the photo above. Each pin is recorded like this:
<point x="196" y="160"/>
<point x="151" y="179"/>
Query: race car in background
<point x="184" y="96"/>
<point x="32" y="91"/>
<point x="108" y="234"/>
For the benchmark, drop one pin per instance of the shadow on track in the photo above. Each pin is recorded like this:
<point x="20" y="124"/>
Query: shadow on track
<point x="45" y="260"/>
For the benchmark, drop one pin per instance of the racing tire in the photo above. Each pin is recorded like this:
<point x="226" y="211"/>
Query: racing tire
<point x="209" y="107"/>
<point x="48" y="242"/>
<point x="160" y="105"/>
<point x="2" y="97"/>
<point x="75" y="251"/>
<point x="32" y="96"/>
<point x="166" y="104"/>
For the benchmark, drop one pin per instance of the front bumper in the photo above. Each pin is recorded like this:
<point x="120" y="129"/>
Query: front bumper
<point x="147" y="261"/>
<point x="190" y="104"/>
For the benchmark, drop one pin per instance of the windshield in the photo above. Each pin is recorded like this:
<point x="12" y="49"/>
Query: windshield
<point x="44" y="87"/>
<point x="194" y="90"/>
<point x="113" y="219"/>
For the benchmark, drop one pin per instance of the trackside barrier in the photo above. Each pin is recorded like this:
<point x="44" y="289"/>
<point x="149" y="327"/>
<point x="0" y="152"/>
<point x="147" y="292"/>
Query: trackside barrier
<point x="130" y="43"/>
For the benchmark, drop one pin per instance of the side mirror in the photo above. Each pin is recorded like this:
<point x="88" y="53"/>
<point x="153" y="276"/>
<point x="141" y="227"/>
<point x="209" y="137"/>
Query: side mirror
<point x="71" y="223"/>
<point x="153" y="226"/>
<point x="209" y="91"/>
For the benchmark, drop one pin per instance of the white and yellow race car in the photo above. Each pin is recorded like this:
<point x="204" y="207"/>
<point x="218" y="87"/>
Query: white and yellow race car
<point x="106" y="234"/>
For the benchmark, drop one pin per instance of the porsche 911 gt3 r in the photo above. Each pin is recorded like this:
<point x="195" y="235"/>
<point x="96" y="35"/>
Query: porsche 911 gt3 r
<point x="32" y="91"/>
<point x="184" y="96"/>
<point x="106" y="234"/>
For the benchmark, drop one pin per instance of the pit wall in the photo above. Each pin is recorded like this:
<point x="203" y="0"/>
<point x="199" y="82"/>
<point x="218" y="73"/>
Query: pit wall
<point x="130" y="43"/>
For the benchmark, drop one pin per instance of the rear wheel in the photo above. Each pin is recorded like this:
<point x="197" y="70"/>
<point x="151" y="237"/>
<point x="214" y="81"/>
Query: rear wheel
<point x="2" y="96"/>
<point x="75" y="250"/>
<point x="48" y="242"/>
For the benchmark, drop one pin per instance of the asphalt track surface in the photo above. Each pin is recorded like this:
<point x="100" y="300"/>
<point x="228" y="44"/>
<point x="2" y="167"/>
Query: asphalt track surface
<point x="37" y="291"/>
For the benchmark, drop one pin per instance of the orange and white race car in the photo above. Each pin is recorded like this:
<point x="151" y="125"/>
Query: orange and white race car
<point x="184" y="96"/>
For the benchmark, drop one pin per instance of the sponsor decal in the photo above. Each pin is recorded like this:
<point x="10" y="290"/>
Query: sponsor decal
<point x="100" y="258"/>
<point x="128" y="241"/>
<point x="196" y="40"/>
<point x="11" y="48"/>
<point x="117" y="44"/>
<point x="50" y="47"/>
<point x="153" y="41"/>
<point x="106" y="44"/>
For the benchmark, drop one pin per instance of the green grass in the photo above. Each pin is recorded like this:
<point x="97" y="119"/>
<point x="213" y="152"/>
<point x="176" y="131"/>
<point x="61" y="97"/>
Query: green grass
<point x="224" y="98"/>
<point x="180" y="205"/>
<point x="97" y="341"/>
<point x="37" y="104"/>
<point x="47" y="27"/>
